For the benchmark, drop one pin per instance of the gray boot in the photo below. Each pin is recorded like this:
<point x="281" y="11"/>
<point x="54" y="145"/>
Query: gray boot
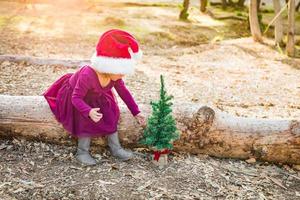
<point x="116" y="149"/>
<point x="82" y="154"/>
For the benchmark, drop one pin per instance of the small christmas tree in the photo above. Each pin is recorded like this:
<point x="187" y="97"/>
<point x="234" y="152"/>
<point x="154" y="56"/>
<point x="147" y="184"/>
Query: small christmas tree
<point x="161" y="130"/>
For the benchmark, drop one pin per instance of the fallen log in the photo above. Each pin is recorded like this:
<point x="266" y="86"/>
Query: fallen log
<point x="44" y="61"/>
<point x="203" y="129"/>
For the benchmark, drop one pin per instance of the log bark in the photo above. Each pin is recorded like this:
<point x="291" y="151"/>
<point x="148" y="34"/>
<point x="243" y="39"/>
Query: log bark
<point x="44" y="61"/>
<point x="203" y="130"/>
<point x="290" y="46"/>
<point x="253" y="19"/>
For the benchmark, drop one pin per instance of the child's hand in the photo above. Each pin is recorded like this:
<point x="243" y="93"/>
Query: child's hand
<point x="94" y="115"/>
<point x="141" y="120"/>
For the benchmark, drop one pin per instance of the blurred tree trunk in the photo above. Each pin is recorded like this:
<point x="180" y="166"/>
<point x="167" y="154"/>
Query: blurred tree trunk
<point x="253" y="20"/>
<point x="224" y="4"/>
<point x="184" y="12"/>
<point x="203" y="4"/>
<point x="298" y="6"/>
<point x="258" y="5"/>
<point x="290" y="47"/>
<point x="278" y="23"/>
<point x="241" y="3"/>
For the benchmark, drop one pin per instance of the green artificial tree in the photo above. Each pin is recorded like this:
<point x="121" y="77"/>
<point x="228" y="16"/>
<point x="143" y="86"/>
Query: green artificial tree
<point x="161" y="128"/>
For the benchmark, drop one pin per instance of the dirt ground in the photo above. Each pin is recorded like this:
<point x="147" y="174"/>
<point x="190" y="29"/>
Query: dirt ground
<point x="204" y="61"/>
<point x="34" y="170"/>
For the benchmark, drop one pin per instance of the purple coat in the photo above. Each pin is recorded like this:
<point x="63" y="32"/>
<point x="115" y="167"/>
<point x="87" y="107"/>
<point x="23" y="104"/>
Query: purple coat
<point x="73" y="96"/>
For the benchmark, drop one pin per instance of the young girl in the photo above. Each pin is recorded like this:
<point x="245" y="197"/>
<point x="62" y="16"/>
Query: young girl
<point x="84" y="103"/>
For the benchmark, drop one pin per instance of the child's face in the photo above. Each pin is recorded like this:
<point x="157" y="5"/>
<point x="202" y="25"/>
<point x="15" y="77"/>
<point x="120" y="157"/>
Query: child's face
<point x="115" y="77"/>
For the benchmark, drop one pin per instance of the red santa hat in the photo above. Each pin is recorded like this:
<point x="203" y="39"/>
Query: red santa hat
<point x="116" y="52"/>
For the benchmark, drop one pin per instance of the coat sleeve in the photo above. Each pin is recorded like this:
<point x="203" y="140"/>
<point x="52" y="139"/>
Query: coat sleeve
<point x="126" y="97"/>
<point x="80" y="90"/>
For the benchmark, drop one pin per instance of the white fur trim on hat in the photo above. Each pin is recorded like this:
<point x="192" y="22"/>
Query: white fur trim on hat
<point x="112" y="65"/>
<point x="138" y="55"/>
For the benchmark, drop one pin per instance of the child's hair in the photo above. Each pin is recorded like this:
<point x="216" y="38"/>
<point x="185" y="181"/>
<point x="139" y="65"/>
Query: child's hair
<point x="106" y="75"/>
